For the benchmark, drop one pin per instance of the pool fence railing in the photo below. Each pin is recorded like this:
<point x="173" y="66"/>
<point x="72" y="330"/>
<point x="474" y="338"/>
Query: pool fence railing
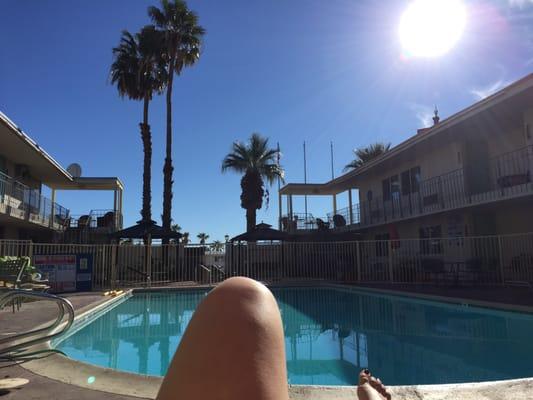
<point x="474" y="261"/>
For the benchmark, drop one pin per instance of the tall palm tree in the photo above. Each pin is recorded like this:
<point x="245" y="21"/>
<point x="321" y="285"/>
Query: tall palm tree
<point x="365" y="154"/>
<point x="258" y="163"/>
<point x="185" y="238"/>
<point x="138" y="73"/>
<point x="203" y="237"/>
<point x="182" y="42"/>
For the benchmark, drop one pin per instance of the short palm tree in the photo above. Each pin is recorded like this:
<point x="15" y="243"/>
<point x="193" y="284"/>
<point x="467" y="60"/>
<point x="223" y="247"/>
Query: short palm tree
<point x="203" y="237"/>
<point x="365" y="154"/>
<point x="182" y="38"/>
<point x="175" y="228"/>
<point x="217" y="246"/>
<point x="258" y="163"/>
<point x="185" y="238"/>
<point x="138" y="73"/>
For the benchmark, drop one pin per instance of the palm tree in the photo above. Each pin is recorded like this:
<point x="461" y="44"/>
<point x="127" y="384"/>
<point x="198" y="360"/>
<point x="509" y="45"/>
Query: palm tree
<point x="365" y="154"/>
<point x="258" y="163"/>
<point x="217" y="246"/>
<point x="203" y="237"/>
<point x="185" y="238"/>
<point x="175" y="228"/>
<point x="182" y="41"/>
<point x="138" y="73"/>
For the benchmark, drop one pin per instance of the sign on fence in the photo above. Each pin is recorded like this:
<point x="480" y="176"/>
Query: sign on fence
<point x="66" y="272"/>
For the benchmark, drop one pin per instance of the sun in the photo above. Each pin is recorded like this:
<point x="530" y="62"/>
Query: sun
<point x="430" y="28"/>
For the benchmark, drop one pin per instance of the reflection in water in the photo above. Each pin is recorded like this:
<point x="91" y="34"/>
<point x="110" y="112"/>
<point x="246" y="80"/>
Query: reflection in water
<point x="329" y="335"/>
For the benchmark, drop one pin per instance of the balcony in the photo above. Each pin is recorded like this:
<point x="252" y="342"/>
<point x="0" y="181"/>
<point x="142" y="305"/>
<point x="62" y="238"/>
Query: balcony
<point x="105" y="220"/>
<point x="21" y="202"/>
<point x="506" y="176"/>
<point x="503" y="177"/>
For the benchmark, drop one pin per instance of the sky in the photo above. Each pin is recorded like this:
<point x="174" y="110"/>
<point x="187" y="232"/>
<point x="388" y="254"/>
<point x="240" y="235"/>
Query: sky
<point x="294" y="71"/>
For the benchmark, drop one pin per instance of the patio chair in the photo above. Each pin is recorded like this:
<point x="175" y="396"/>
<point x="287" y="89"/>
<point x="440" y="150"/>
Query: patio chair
<point x="17" y="273"/>
<point x="11" y="270"/>
<point x="339" y="221"/>
<point x="435" y="270"/>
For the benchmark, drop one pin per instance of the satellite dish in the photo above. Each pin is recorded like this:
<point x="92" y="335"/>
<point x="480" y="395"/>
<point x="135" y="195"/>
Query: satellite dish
<point x="74" y="170"/>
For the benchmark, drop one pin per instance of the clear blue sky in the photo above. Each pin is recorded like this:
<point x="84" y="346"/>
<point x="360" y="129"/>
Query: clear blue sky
<point x="295" y="70"/>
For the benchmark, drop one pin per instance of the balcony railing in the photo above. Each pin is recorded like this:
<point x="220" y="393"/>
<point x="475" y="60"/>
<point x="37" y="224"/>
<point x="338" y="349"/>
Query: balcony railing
<point x="97" y="219"/>
<point x="20" y="201"/>
<point x="301" y="221"/>
<point x="505" y="176"/>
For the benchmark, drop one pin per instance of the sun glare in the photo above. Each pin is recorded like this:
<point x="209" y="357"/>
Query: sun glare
<point x="430" y="28"/>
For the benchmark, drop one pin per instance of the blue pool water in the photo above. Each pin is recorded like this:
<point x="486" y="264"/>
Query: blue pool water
<point x="330" y="334"/>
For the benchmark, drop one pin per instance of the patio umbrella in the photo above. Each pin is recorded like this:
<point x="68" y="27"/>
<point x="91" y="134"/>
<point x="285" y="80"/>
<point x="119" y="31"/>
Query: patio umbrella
<point x="149" y="230"/>
<point x="262" y="231"/>
<point x="143" y="229"/>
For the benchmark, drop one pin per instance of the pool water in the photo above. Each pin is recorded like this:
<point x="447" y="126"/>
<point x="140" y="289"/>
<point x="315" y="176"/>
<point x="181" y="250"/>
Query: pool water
<point x="330" y="334"/>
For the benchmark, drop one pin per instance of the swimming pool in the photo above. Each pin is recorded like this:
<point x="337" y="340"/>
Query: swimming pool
<point x="330" y="334"/>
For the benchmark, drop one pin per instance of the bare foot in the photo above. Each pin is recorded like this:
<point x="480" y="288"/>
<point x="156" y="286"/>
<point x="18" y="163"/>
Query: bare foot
<point x="371" y="388"/>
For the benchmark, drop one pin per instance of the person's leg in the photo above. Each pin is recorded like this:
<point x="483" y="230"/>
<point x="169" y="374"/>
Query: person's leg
<point x="371" y="388"/>
<point x="232" y="349"/>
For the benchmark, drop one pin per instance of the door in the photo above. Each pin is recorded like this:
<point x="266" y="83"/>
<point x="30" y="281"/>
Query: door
<point x="477" y="167"/>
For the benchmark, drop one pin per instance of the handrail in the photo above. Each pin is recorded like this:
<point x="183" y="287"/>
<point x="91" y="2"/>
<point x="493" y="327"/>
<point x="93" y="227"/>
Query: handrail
<point x="63" y="305"/>
<point x="209" y="272"/>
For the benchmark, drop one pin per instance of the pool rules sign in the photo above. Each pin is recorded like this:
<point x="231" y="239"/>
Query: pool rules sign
<point x="66" y="272"/>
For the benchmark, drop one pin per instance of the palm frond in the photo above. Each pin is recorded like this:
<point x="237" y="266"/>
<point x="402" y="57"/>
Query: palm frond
<point x="365" y="154"/>
<point x="254" y="156"/>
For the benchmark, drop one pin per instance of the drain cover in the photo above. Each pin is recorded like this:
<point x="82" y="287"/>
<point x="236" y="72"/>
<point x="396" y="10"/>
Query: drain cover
<point x="12" y="383"/>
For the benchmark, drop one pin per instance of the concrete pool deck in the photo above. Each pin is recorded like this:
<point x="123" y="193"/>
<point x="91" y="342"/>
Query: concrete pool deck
<point x="58" y="377"/>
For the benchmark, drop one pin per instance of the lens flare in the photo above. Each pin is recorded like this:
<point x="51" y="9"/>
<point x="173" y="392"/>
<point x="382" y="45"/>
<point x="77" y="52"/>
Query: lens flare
<point x="430" y="28"/>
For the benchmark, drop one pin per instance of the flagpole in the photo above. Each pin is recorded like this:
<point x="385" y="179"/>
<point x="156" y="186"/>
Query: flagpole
<point x="305" y="178"/>
<point x="280" y="216"/>
<point x="332" y="173"/>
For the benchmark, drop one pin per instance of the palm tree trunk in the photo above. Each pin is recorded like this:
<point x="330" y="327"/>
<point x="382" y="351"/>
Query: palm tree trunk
<point x="250" y="219"/>
<point x="146" y="137"/>
<point x="168" y="168"/>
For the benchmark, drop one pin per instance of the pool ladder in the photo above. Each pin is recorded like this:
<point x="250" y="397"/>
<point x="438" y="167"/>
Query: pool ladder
<point x="25" y="340"/>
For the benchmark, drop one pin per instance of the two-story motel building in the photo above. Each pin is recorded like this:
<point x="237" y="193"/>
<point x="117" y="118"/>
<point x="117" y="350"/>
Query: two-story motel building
<point x="25" y="213"/>
<point x="468" y="175"/>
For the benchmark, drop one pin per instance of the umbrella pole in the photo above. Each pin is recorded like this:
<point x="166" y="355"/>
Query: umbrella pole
<point x="148" y="260"/>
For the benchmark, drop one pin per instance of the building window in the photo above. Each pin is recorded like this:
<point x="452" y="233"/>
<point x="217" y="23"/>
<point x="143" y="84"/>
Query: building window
<point x="430" y="239"/>
<point x="411" y="181"/>
<point x="395" y="187"/>
<point x="3" y="165"/>
<point x="416" y="177"/>
<point x="391" y="188"/>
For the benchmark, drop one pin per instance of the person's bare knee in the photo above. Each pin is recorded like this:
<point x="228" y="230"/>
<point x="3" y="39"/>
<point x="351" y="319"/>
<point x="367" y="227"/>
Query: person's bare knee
<point x="233" y="346"/>
<point x="241" y="298"/>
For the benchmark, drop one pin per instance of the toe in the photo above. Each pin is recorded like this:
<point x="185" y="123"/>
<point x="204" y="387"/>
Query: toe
<point x="364" y="376"/>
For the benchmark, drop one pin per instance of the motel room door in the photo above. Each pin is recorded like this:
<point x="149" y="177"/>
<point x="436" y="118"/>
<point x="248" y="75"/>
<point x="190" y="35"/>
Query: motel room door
<point x="477" y="167"/>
